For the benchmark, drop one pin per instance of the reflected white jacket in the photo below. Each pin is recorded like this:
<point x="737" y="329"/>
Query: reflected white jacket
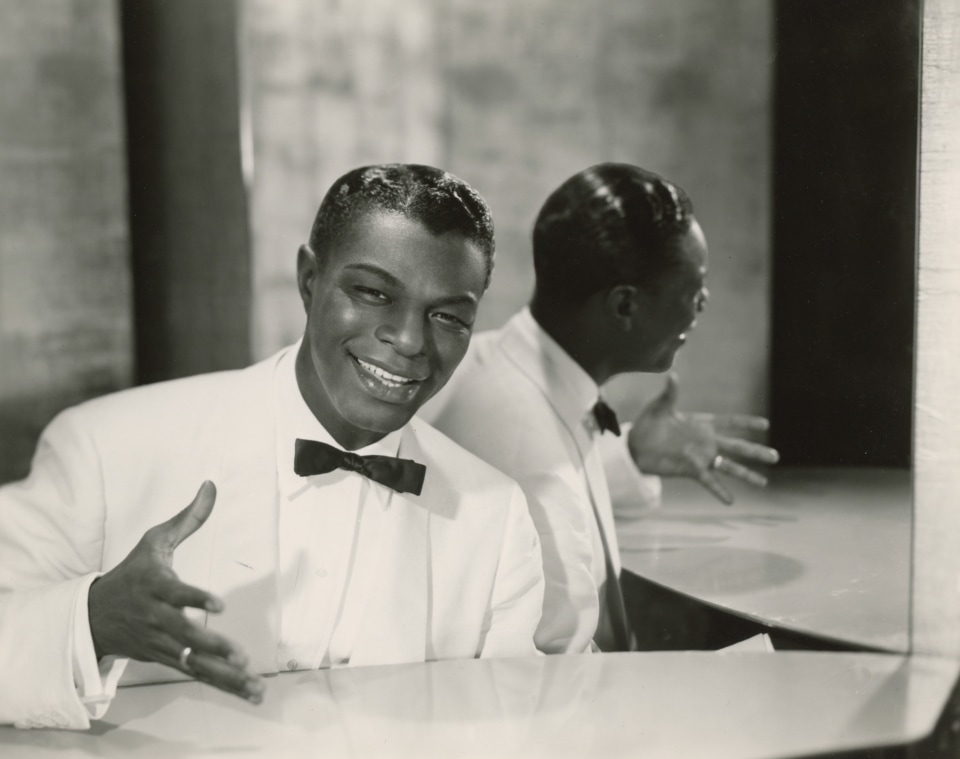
<point x="520" y="402"/>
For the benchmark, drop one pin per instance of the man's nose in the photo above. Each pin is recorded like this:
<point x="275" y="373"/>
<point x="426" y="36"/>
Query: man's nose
<point x="404" y="330"/>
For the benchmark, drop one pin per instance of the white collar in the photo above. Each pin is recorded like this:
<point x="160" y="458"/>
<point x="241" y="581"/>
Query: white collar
<point x="570" y="390"/>
<point x="294" y="419"/>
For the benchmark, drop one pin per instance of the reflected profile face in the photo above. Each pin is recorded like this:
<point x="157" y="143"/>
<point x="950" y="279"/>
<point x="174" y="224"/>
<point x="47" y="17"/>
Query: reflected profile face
<point x="390" y="310"/>
<point x="670" y="307"/>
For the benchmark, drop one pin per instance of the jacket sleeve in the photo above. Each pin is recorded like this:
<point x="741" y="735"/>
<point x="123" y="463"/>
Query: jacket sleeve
<point x="517" y="595"/>
<point x="51" y="536"/>
<point x="560" y="510"/>
<point x="538" y="454"/>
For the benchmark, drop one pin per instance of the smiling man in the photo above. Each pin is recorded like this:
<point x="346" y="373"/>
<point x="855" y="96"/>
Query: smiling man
<point x="364" y="375"/>
<point x="344" y="532"/>
<point x="621" y="268"/>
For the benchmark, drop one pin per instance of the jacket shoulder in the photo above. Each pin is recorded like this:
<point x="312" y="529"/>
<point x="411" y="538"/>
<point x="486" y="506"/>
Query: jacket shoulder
<point x="454" y="465"/>
<point x="164" y="407"/>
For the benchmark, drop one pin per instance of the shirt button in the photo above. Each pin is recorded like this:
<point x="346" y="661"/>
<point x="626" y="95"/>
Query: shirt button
<point x="321" y="572"/>
<point x="292" y="664"/>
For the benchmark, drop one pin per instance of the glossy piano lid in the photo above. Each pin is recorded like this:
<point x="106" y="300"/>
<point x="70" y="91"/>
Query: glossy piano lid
<point x="667" y="704"/>
<point x="819" y="551"/>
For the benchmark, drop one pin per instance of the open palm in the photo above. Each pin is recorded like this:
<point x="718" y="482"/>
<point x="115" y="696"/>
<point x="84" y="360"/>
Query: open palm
<point x="672" y="443"/>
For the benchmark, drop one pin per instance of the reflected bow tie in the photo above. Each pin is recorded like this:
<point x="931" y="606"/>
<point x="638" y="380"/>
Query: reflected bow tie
<point x="606" y="418"/>
<point x="403" y="475"/>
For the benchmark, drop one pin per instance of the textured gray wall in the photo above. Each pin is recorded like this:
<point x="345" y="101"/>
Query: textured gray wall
<point x="514" y="97"/>
<point x="65" y="325"/>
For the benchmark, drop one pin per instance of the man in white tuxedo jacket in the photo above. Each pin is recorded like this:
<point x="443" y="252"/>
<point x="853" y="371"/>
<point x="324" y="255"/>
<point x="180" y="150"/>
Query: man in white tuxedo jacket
<point x="620" y="265"/>
<point x="329" y="529"/>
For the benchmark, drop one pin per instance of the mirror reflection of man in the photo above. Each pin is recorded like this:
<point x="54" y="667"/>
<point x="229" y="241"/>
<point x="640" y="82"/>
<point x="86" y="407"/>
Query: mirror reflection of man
<point x="344" y="532"/>
<point x="621" y="266"/>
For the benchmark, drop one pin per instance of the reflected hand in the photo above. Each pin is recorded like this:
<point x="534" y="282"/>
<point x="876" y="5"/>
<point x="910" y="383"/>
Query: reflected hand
<point x="136" y="609"/>
<point x="672" y="443"/>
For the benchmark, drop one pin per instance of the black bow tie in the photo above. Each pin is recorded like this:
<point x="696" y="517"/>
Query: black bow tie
<point x="402" y="475"/>
<point x="606" y="418"/>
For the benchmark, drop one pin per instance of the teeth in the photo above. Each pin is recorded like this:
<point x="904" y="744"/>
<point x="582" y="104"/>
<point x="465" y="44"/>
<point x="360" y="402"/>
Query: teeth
<point x="393" y="380"/>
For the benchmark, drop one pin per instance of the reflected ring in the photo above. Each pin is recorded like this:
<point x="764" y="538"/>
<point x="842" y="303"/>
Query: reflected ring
<point x="717" y="462"/>
<point x="184" y="657"/>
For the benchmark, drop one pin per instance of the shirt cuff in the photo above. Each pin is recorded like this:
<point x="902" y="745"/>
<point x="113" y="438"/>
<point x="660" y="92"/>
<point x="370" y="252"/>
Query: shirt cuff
<point x="96" y="682"/>
<point x="632" y="492"/>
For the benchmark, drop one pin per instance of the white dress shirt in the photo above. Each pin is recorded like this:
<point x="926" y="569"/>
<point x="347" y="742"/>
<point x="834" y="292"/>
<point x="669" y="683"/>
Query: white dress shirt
<point x="523" y="404"/>
<point x="329" y="528"/>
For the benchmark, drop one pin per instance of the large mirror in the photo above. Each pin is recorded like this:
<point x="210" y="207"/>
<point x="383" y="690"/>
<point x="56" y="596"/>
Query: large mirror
<point x="791" y="124"/>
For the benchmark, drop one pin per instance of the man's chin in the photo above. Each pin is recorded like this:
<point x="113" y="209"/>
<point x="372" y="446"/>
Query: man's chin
<point x="665" y="364"/>
<point x="385" y="420"/>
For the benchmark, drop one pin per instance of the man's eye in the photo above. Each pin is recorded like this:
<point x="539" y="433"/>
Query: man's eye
<point x="451" y="320"/>
<point x="369" y="293"/>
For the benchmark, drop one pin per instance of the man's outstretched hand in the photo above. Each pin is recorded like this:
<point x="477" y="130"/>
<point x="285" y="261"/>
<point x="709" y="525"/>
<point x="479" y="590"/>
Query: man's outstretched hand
<point x="673" y="443"/>
<point x="136" y="609"/>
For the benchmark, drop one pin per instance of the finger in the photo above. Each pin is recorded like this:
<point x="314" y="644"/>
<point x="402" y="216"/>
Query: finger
<point x="181" y="595"/>
<point x="734" y="421"/>
<point x="735" y="469"/>
<point x="744" y="449"/>
<point x="214" y="671"/>
<point x="202" y="640"/>
<point x="671" y="389"/>
<point x="666" y="400"/>
<point x="711" y="483"/>
<point x="181" y="526"/>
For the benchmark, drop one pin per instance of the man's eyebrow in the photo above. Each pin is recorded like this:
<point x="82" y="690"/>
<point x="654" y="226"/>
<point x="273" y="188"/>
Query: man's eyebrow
<point x="468" y="298"/>
<point x="453" y="300"/>
<point x="383" y="274"/>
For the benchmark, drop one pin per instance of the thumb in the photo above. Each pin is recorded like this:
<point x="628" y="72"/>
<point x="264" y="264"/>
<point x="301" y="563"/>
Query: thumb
<point x="180" y="527"/>
<point x="668" y="396"/>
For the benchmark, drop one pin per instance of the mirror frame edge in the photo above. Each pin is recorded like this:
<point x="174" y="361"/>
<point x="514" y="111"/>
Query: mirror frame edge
<point x="935" y="580"/>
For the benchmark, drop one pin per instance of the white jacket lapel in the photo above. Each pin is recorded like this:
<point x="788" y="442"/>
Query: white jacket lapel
<point x="234" y="555"/>
<point x="523" y="352"/>
<point x="244" y="552"/>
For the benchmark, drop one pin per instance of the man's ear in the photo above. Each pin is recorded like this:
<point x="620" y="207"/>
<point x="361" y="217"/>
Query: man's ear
<point x="621" y="304"/>
<point x="307" y="272"/>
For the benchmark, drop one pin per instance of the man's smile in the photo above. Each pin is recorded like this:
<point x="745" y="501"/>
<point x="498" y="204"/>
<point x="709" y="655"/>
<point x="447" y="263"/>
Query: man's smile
<point x="386" y="385"/>
<point x="388" y="377"/>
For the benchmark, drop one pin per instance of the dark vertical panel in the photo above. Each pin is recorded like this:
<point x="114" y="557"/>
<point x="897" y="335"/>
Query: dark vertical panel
<point x="188" y="212"/>
<point x="845" y="141"/>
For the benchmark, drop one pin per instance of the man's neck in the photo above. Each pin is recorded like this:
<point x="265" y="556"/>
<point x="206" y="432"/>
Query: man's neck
<point x="575" y="330"/>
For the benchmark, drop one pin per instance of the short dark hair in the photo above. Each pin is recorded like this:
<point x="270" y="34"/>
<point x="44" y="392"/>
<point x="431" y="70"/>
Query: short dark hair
<point x="605" y="226"/>
<point x="433" y="197"/>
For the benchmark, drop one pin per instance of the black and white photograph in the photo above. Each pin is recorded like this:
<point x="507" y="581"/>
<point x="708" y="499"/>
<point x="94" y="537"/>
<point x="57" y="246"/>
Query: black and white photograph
<point x="480" y="379"/>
